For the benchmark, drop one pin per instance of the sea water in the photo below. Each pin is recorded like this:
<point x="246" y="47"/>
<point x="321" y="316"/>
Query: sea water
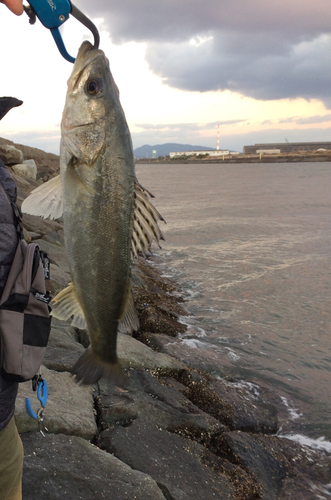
<point x="250" y="246"/>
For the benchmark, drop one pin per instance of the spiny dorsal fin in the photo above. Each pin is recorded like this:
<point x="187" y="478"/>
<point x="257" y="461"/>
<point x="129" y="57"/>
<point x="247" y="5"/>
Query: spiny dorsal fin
<point x="46" y="200"/>
<point x="145" y="225"/>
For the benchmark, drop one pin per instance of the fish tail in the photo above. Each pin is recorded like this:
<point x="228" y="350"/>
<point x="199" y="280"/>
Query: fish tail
<point x="90" y="368"/>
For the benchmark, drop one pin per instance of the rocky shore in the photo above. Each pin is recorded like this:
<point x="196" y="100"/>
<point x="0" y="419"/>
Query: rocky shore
<point x="174" y="432"/>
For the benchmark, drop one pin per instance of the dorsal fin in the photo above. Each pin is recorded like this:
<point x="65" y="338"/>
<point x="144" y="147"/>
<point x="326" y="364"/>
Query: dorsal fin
<point x="145" y="225"/>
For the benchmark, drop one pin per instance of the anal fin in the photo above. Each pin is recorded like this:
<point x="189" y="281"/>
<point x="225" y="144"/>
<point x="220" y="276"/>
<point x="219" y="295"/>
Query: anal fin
<point x="129" y="321"/>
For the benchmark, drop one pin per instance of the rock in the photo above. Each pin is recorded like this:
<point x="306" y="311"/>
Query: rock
<point x="282" y="468"/>
<point x="190" y="351"/>
<point x="55" y="253"/>
<point x="56" y="237"/>
<point x="62" y="467"/>
<point x="62" y="352"/>
<point x="30" y="162"/>
<point x="69" y="408"/>
<point x="155" y="300"/>
<point x="24" y="187"/>
<point x="146" y="398"/>
<point x="10" y="155"/>
<point x="249" y="412"/>
<point x="26" y="170"/>
<point x="253" y="456"/>
<point x="134" y="354"/>
<point x="58" y="279"/>
<point x="234" y="405"/>
<point x="47" y="163"/>
<point x="174" y="463"/>
<point x="41" y="226"/>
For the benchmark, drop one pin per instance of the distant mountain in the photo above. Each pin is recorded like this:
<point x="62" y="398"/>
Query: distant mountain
<point x="146" y="151"/>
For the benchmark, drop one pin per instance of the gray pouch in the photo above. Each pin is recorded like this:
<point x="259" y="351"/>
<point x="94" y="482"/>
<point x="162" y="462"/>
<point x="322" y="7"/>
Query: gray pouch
<point x="25" y="320"/>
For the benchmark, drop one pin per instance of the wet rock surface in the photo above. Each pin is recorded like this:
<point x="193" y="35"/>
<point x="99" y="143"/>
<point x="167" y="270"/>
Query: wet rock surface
<point x="173" y="432"/>
<point x="174" y="462"/>
<point x="58" y="466"/>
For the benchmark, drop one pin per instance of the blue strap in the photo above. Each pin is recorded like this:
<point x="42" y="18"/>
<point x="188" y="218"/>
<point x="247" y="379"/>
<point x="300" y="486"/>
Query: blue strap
<point x="60" y="45"/>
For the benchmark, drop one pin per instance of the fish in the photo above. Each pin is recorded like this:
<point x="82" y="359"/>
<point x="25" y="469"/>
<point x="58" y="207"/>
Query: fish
<point x="108" y="217"/>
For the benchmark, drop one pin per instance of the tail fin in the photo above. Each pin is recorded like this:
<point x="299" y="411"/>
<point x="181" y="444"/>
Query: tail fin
<point x="89" y="369"/>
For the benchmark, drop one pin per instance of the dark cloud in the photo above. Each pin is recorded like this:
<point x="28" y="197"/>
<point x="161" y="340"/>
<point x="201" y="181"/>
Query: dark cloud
<point x="265" y="50"/>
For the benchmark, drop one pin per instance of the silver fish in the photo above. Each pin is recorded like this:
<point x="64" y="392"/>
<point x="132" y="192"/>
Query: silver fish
<point x="108" y="219"/>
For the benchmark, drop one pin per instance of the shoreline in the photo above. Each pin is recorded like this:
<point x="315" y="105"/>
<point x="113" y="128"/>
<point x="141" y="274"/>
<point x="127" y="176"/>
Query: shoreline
<point x="173" y="432"/>
<point x="246" y="158"/>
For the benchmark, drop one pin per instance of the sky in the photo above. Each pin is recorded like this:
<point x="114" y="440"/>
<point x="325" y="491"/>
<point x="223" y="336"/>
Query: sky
<point x="259" y="71"/>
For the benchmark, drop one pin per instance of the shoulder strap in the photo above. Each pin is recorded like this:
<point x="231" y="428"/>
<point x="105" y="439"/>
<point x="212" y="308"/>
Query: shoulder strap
<point x="16" y="212"/>
<point x="16" y="278"/>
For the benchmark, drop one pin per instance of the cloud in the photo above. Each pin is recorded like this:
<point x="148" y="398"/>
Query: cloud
<point x="313" y="119"/>
<point x="260" y="49"/>
<point x="186" y="126"/>
<point x="306" y="120"/>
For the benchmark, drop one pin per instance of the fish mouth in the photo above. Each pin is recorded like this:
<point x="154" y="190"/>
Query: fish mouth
<point x="86" y="54"/>
<point x="84" y="49"/>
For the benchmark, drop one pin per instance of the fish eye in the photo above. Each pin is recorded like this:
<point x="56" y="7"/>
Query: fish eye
<point x="94" y="86"/>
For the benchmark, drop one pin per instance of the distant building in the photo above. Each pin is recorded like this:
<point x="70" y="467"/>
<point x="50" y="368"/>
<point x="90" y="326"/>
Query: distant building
<point x="286" y="147"/>
<point x="268" y="151"/>
<point x="212" y="152"/>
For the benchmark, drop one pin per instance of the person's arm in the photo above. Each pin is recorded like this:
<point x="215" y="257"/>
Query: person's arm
<point x="16" y="6"/>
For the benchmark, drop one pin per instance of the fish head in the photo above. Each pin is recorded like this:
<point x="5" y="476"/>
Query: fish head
<point x="91" y="100"/>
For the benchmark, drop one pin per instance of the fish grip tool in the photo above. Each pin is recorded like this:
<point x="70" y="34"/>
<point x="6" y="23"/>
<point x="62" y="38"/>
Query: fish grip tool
<point x="52" y="14"/>
<point x="39" y="384"/>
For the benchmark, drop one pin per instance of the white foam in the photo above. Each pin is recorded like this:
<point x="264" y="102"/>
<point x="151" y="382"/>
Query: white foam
<point x="247" y="386"/>
<point x="231" y="354"/>
<point x="316" y="444"/>
<point x="292" y="411"/>
<point x="195" y="330"/>
<point x="253" y="388"/>
<point x="195" y="343"/>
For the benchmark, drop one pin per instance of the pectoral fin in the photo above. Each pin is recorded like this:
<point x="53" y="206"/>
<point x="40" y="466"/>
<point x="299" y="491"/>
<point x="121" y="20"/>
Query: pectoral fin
<point x="145" y="226"/>
<point x="46" y="200"/>
<point x="65" y="304"/>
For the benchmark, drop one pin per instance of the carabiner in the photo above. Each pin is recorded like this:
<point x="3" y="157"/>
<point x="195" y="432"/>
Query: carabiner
<point x="42" y="395"/>
<point x="52" y="14"/>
